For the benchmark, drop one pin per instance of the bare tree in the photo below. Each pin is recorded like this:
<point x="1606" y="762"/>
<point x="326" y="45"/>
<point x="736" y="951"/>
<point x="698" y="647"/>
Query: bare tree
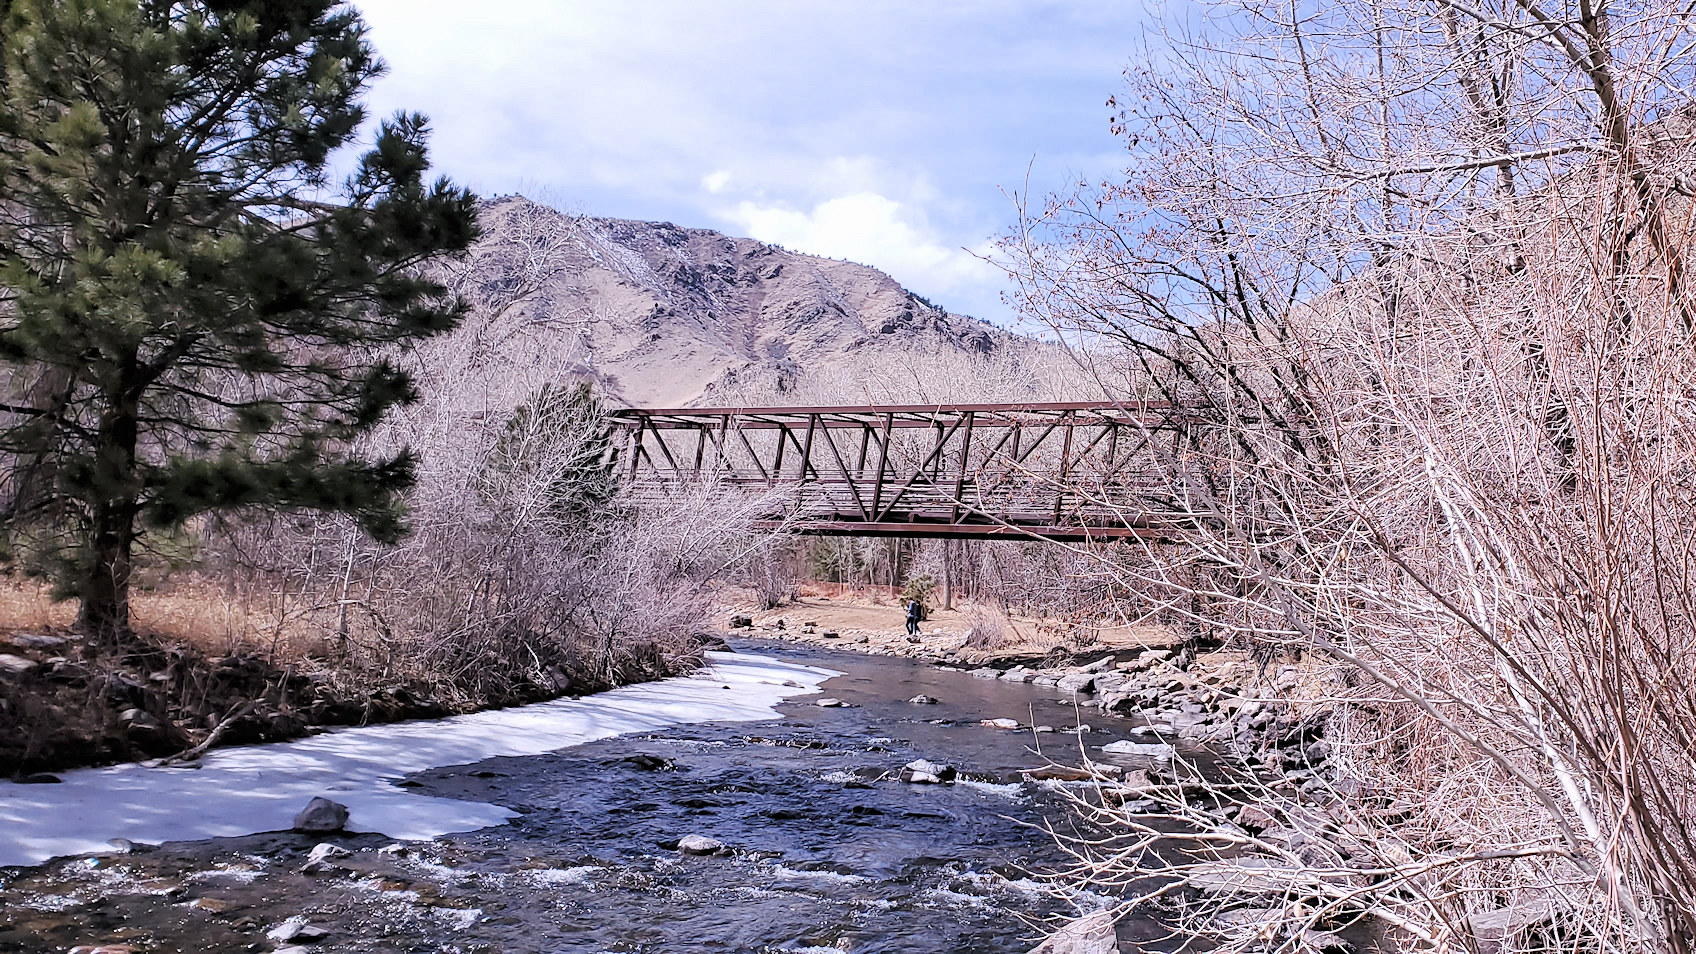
<point x="1417" y="269"/>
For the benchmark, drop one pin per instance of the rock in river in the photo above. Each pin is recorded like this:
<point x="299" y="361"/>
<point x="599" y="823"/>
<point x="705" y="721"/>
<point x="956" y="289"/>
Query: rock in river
<point x="1159" y="751"/>
<point x="297" y="929"/>
<point x="926" y="772"/>
<point x="321" y="814"/>
<point x="701" y="845"/>
<point x="923" y="700"/>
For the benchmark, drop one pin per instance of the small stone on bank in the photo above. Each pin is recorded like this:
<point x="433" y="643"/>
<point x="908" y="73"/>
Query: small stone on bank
<point x="1001" y="723"/>
<point x="326" y="851"/>
<point x="829" y="703"/>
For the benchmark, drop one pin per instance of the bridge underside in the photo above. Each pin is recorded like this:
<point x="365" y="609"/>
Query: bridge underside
<point x="918" y="529"/>
<point x="1074" y="471"/>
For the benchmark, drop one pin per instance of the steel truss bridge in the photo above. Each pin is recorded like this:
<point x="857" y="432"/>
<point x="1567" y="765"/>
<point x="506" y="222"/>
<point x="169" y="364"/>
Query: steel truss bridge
<point x="1073" y="471"/>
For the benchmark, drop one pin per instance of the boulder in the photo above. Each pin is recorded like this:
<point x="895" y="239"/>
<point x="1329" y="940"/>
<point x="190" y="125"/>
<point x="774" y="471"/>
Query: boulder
<point x="35" y="641"/>
<point x="1001" y="723"/>
<point x="1090" y="934"/>
<point x="741" y="621"/>
<point x="297" y="929"/>
<point x="1256" y="818"/>
<point x="1494" y="929"/>
<point x="1246" y="875"/>
<point x="923" y="700"/>
<point x="1109" y="681"/>
<point x="926" y="772"/>
<point x="1076" y="682"/>
<point x="321" y="814"/>
<point x="16" y="665"/>
<point x="987" y="672"/>
<point x="701" y="845"/>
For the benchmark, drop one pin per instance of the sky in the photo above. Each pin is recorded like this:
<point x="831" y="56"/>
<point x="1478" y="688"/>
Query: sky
<point x="888" y="133"/>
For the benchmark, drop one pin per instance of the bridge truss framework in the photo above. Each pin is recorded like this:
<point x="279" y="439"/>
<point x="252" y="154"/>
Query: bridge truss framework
<point x="1073" y="471"/>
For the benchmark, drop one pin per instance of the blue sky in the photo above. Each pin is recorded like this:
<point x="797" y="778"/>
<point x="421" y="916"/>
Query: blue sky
<point x="882" y="132"/>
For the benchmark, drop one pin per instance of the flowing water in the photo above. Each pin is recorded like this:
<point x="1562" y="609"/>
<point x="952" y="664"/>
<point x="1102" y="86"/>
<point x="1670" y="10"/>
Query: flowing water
<point x="826" y="849"/>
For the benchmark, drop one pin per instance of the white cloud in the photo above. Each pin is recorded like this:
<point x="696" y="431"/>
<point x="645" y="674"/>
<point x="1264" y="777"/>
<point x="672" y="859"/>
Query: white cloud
<point x="878" y="130"/>
<point x="875" y="230"/>
<point x="715" y="182"/>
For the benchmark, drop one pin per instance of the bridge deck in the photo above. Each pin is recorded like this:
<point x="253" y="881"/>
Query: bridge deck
<point x="1066" y="470"/>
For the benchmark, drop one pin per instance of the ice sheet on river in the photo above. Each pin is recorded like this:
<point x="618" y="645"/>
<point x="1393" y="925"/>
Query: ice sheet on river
<point x="240" y="791"/>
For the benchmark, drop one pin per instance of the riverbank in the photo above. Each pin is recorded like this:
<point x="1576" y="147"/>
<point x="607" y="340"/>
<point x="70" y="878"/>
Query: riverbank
<point x="66" y="702"/>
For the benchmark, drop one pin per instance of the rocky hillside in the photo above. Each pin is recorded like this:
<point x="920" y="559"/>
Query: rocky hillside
<point x="663" y="316"/>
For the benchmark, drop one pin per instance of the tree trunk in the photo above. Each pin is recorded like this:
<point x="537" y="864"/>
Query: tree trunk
<point x="948" y="574"/>
<point x="109" y="546"/>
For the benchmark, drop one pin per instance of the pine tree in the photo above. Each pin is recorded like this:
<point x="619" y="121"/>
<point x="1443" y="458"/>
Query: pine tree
<point x="194" y="307"/>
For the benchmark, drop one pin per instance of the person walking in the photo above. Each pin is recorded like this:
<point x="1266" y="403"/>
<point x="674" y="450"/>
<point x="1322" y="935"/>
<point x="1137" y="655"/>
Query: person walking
<point x="914" y="611"/>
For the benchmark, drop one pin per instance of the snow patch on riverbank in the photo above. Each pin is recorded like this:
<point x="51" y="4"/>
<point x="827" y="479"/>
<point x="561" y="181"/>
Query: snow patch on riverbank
<point x="241" y="791"/>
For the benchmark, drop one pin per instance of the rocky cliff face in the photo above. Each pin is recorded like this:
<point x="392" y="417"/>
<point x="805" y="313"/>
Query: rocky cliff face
<point x="664" y="316"/>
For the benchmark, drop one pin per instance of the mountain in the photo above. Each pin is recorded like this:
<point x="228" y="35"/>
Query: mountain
<point x="664" y="316"/>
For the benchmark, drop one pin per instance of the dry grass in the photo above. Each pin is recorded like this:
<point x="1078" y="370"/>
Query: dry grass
<point x="190" y="613"/>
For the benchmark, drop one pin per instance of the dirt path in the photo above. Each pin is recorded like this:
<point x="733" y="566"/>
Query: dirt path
<point x="860" y="625"/>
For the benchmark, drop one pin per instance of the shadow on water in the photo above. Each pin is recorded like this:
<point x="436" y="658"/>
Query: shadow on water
<point x="826" y="850"/>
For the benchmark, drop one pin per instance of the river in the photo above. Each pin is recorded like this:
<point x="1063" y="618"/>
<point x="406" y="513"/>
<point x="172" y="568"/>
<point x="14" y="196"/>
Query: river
<point x="826" y="850"/>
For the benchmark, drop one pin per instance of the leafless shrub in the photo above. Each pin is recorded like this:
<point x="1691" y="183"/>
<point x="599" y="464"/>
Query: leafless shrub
<point x="990" y="627"/>
<point x="1418" y="269"/>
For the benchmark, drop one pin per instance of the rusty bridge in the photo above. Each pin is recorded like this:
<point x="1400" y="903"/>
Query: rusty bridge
<point x="1074" y="471"/>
